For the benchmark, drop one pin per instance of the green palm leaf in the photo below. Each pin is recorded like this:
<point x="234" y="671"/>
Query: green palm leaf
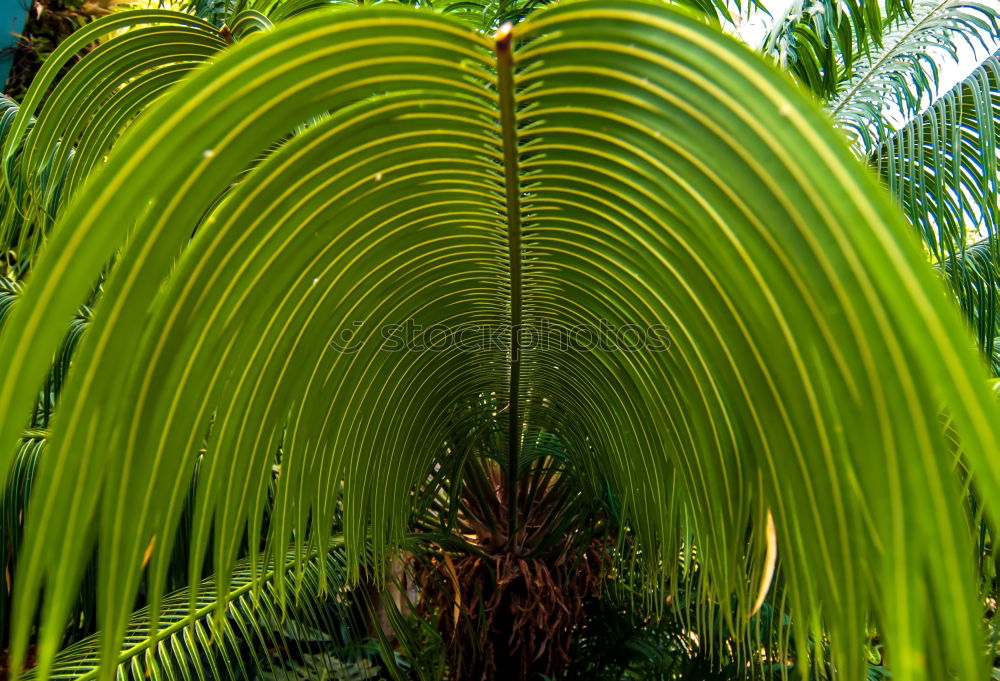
<point x="190" y="645"/>
<point x="942" y="169"/>
<point x="899" y="79"/>
<point x="92" y="105"/>
<point x="635" y="170"/>
<point x="821" y="41"/>
<point x="972" y="273"/>
<point x="942" y="166"/>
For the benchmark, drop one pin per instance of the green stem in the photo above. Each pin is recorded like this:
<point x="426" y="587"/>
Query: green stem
<point x="503" y="44"/>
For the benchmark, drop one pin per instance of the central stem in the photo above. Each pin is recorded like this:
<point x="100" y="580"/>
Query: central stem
<point x="503" y="45"/>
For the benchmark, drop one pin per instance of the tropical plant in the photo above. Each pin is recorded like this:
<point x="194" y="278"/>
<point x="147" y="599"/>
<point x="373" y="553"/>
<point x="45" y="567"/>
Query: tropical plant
<point x="48" y="23"/>
<point x="937" y="153"/>
<point x="331" y="272"/>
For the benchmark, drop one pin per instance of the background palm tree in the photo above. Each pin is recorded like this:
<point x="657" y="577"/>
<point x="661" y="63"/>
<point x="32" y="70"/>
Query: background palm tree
<point x="605" y="163"/>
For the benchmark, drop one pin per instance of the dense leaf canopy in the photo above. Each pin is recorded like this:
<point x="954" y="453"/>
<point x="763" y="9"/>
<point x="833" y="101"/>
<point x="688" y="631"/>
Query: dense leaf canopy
<point x="256" y="215"/>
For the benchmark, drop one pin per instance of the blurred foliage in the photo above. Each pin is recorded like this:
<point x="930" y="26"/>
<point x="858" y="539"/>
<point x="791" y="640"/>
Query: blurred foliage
<point x="49" y="23"/>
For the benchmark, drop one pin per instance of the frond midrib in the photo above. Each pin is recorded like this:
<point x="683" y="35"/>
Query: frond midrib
<point x="886" y="54"/>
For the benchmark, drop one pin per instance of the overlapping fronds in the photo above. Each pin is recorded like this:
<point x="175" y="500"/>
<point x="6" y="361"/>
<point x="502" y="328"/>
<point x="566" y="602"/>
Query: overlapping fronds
<point x="900" y="80"/>
<point x="752" y="330"/>
<point x="821" y="41"/>
<point x="45" y="160"/>
<point x="13" y="504"/>
<point x="485" y="15"/>
<point x="85" y="116"/>
<point x="973" y="276"/>
<point x="10" y="291"/>
<point x="215" y="12"/>
<point x="252" y="635"/>
<point x="942" y="166"/>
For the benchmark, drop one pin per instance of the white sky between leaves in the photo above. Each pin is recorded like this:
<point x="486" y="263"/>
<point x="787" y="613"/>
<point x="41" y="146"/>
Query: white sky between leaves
<point x="754" y="28"/>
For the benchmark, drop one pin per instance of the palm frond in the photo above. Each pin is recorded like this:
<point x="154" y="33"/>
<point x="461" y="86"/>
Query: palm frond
<point x="253" y="639"/>
<point x="900" y="80"/>
<point x="10" y="292"/>
<point x="636" y="171"/>
<point x="13" y="505"/>
<point x="975" y="278"/>
<point x="821" y="42"/>
<point x="46" y="158"/>
<point x="942" y="166"/>
<point x="215" y="12"/>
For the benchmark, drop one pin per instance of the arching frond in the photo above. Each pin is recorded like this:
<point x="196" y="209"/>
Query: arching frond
<point x="778" y="345"/>
<point x="86" y="115"/>
<point x="45" y="159"/>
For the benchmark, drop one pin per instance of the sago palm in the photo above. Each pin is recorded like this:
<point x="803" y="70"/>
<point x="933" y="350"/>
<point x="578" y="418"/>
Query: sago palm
<point x="355" y="279"/>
